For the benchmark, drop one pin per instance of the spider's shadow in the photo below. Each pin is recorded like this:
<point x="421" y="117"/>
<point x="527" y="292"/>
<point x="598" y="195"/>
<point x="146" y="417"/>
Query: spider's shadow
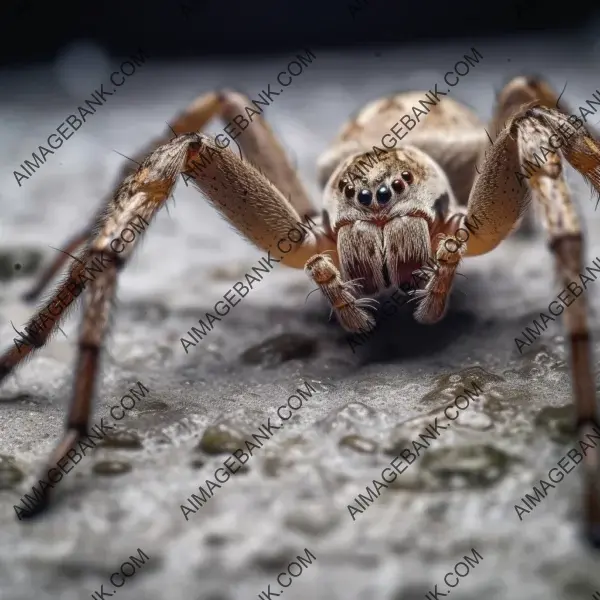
<point x="399" y="336"/>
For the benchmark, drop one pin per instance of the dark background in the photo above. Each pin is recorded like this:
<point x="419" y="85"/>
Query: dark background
<point x="209" y="27"/>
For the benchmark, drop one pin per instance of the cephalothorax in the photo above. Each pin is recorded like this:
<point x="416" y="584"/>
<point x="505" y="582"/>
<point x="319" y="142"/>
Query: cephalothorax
<point x="378" y="225"/>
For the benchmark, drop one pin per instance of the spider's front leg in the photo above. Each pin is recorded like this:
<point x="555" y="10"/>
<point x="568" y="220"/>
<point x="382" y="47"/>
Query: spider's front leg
<point x="142" y="194"/>
<point x="451" y="245"/>
<point x="257" y="141"/>
<point x="238" y="190"/>
<point x="499" y="198"/>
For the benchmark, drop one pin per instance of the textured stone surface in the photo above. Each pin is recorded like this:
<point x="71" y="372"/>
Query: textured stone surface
<point x="293" y="494"/>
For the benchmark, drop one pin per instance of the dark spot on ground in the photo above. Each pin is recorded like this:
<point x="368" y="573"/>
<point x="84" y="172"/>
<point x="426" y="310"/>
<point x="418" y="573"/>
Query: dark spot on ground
<point x="279" y="349"/>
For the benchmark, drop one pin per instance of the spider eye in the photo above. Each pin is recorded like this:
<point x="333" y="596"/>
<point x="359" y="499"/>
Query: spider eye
<point x="342" y="184"/>
<point x="383" y="194"/>
<point x="365" y="197"/>
<point x="407" y="176"/>
<point x="349" y="191"/>
<point x="398" y="185"/>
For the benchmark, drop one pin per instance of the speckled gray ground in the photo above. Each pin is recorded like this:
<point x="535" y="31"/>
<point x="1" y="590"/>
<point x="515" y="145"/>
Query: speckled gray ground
<point x="296" y="491"/>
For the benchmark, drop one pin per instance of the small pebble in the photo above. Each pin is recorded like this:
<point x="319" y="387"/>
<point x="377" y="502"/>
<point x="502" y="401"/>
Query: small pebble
<point x="111" y="467"/>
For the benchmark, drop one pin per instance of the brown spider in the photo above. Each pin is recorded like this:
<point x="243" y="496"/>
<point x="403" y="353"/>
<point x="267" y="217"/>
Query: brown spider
<point x="375" y="229"/>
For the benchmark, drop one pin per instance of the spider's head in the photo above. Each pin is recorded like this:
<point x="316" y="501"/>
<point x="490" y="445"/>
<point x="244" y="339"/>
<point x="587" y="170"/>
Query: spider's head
<point x="384" y="210"/>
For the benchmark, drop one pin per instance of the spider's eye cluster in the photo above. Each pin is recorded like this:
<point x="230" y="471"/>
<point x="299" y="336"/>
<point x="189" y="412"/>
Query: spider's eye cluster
<point x="384" y="193"/>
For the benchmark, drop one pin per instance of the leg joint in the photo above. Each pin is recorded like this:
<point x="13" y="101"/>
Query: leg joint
<point x="118" y="260"/>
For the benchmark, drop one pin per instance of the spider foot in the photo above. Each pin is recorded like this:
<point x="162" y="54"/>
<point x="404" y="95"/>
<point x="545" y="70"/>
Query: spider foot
<point x="36" y="510"/>
<point x="44" y="497"/>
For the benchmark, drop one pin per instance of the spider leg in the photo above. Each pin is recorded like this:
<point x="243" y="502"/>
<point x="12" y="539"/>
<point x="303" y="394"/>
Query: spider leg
<point x="141" y="194"/>
<point x="192" y="118"/>
<point x="47" y="319"/>
<point x="253" y="204"/>
<point x="245" y="196"/>
<point x="500" y="196"/>
<point x="237" y="189"/>
<point x="53" y="268"/>
<point x="258" y="142"/>
<point x="348" y="309"/>
<point x="518" y="92"/>
<point x="450" y="244"/>
<point x="263" y="150"/>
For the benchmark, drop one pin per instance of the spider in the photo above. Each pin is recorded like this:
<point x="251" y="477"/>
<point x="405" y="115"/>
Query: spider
<point x="374" y="230"/>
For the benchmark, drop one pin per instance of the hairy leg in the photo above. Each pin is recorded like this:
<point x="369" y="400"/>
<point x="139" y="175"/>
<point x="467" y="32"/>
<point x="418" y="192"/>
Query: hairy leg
<point x="257" y="141"/>
<point x="52" y="270"/>
<point x="519" y="92"/>
<point x="527" y="161"/>
<point x="193" y="118"/>
<point x="239" y="191"/>
<point x="264" y="151"/>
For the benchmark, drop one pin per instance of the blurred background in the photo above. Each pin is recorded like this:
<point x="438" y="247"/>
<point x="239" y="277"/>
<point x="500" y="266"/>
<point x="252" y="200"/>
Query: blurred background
<point x="295" y="492"/>
<point x="249" y="28"/>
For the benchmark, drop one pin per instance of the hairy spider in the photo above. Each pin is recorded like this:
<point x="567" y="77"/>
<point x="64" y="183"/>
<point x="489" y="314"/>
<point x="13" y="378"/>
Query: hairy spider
<point x="375" y="229"/>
